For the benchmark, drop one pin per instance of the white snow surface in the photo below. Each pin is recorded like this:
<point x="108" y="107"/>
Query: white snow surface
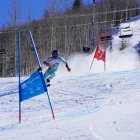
<point x="93" y="105"/>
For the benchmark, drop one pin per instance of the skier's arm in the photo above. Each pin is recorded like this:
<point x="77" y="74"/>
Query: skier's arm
<point x="68" y="68"/>
<point x="66" y="64"/>
<point x="62" y="60"/>
<point x="47" y="62"/>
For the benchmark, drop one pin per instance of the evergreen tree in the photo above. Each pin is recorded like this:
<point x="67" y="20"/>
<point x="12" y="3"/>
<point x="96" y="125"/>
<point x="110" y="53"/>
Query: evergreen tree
<point x="77" y="4"/>
<point x="46" y="14"/>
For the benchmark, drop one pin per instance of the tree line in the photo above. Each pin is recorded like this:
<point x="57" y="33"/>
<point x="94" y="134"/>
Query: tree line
<point x="68" y="31"/>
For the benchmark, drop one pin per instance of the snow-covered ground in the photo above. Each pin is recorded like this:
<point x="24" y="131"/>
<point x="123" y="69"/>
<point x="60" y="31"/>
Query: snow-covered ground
<point x="92" y="105"/>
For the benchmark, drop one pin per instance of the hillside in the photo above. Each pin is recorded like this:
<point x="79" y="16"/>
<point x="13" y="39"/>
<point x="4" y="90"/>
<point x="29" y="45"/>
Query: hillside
<point x="88" y="106"/>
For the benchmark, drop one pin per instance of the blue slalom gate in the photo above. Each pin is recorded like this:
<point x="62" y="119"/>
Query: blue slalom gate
<point x="35" y="84"/>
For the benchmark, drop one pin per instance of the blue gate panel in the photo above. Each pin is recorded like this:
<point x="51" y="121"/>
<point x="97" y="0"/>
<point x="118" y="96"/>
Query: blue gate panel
<point x="33" y="86"/>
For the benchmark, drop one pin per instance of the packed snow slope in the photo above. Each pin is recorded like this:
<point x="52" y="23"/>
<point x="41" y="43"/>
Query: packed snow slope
<point x="90" y="106"/>
<point x="93" y="105"/>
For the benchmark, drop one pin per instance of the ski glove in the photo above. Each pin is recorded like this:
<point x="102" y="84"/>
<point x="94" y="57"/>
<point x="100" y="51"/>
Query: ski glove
<point x="69" y="69"/>
<point x="48" y="64"/>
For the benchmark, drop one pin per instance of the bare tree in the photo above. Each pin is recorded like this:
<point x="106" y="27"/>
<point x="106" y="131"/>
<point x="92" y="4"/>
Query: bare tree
<point x="14" y="13"/>
<point x="30" y="12"/>
<point x="67" y="31"/>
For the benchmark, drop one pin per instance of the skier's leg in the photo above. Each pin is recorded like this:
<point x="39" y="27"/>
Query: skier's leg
<point x="49" y="78"/>
<point x="47" y="73"/>
<point x="52" y="75"/>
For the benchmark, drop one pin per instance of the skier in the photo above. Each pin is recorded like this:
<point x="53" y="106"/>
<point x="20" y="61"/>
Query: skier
<point x="53" y="63"/>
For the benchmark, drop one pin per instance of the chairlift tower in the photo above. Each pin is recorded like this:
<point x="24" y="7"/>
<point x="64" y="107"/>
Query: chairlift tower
<point x="93" y="26"/>
<point x="108" y="37"/>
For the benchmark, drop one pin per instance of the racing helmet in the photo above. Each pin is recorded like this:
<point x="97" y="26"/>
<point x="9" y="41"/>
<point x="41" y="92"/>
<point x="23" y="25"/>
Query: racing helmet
<point x="55" y="54"/>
